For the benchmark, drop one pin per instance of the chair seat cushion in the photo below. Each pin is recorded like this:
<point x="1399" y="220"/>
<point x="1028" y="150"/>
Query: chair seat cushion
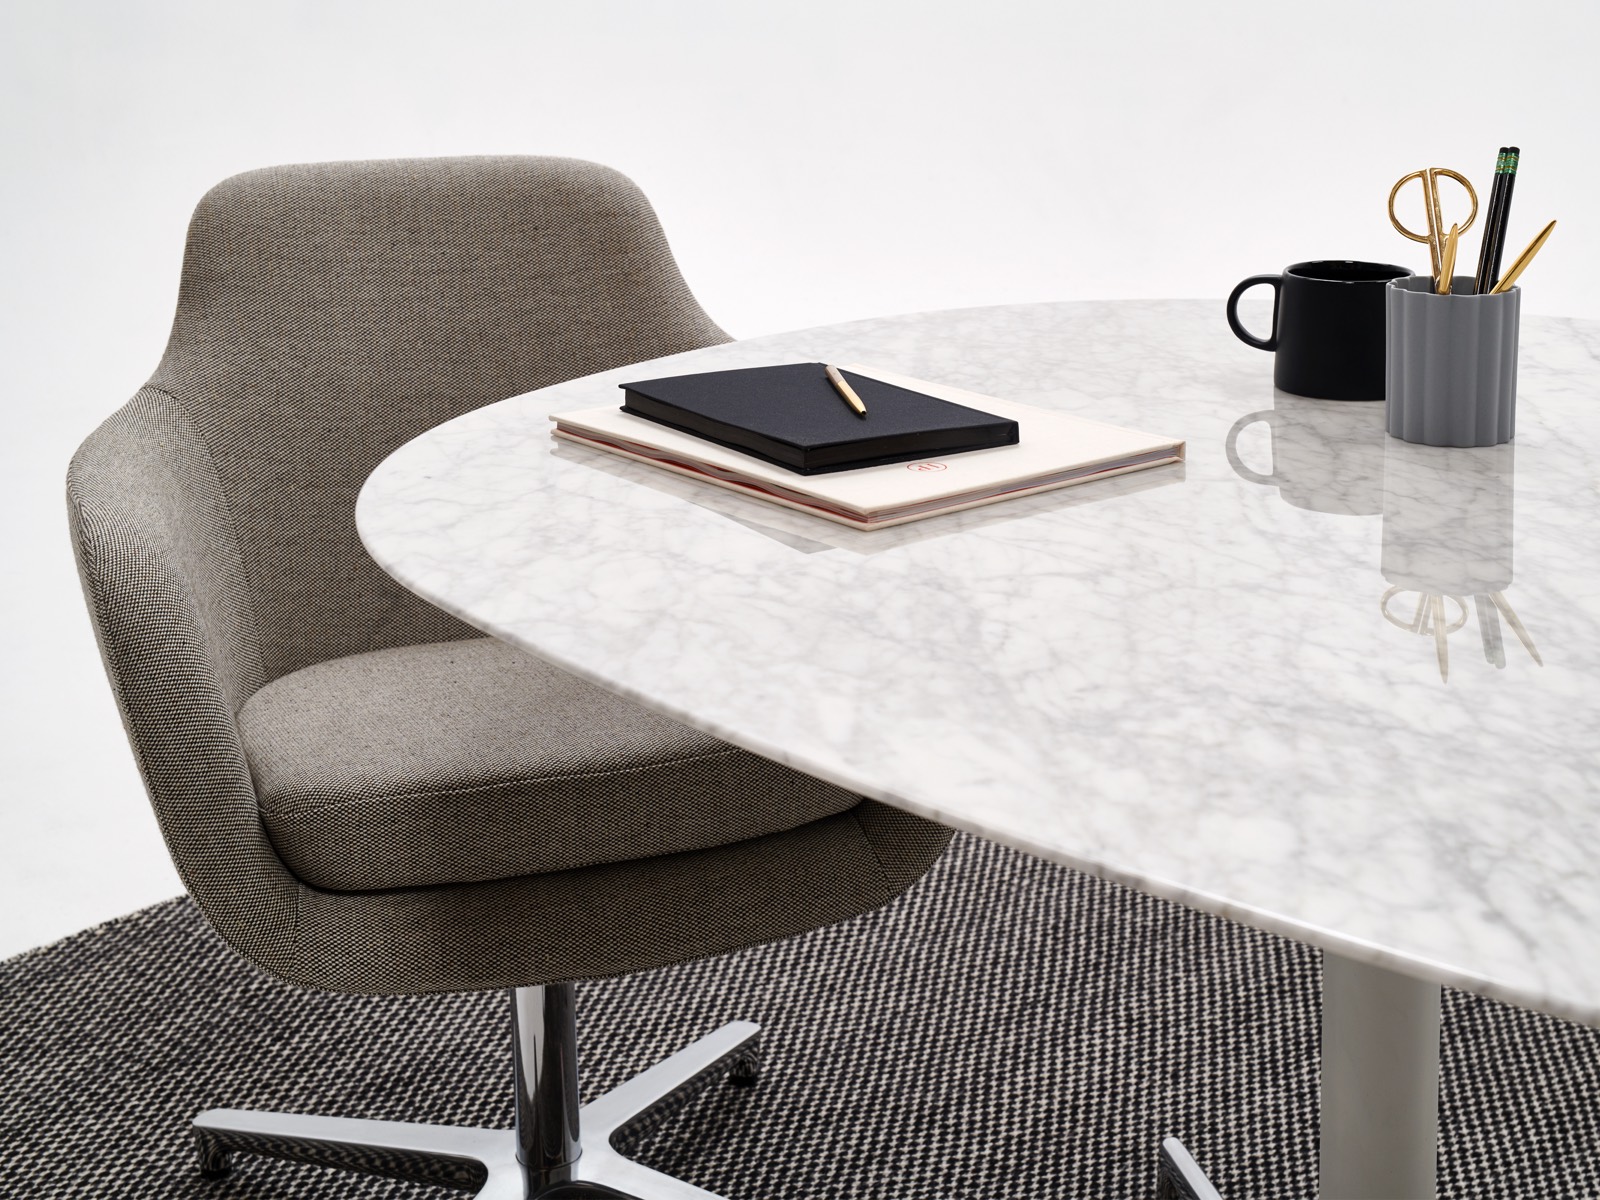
<point x="466" y="761"/>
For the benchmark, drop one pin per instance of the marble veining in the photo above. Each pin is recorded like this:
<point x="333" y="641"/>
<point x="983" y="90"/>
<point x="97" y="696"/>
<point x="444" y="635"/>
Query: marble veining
<point x="1327" y="683"/>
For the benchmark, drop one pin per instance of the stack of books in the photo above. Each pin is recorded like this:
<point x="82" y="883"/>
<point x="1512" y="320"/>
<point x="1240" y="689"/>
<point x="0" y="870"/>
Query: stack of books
<point x="868" y="449"/>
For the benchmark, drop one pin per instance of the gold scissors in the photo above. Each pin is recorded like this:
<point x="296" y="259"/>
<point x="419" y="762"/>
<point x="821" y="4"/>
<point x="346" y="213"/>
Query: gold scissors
<point x="1438" y="227"/>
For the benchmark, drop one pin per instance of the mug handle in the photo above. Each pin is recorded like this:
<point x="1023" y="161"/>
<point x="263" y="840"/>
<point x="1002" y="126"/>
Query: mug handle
<point x="1243" y="334"/>
<point x="1231" y="446"/>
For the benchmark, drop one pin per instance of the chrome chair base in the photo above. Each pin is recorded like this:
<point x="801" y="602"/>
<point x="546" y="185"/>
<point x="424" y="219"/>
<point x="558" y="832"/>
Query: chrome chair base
<point x="1180" y="1177"/>
<point x="507" y="1164"/>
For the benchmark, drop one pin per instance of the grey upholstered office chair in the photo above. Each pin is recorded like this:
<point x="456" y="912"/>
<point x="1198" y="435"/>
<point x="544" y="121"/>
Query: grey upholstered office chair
<point x="360" y="793"/>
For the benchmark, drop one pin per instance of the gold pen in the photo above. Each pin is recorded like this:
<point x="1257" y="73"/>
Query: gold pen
<point x="1447" y="260"/>
<point x="845" y="390"/>
<point x="1523" y="259"/>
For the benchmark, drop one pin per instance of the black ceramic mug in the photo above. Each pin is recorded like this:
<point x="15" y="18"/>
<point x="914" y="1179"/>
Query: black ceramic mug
<point x="1328" y="327"/>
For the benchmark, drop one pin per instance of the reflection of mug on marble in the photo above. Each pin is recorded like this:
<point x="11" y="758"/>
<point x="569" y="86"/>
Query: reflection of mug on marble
<point x="1326" y="456"/>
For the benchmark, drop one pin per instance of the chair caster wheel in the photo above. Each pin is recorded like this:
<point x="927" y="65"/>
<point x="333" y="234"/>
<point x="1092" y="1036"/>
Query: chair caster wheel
<point x="215" y="1161"/>
<point x="746" y="1070"/>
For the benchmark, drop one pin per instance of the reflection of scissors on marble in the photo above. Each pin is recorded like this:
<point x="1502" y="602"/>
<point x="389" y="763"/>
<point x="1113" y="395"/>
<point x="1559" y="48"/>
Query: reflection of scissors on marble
<point x="1430" y="618"/>
<point x="1437" y="226"/>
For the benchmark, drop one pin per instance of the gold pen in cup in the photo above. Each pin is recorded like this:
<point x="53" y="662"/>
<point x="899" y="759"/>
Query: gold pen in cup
<point x="845" y="390"/>
<point x="1523" y="259"/>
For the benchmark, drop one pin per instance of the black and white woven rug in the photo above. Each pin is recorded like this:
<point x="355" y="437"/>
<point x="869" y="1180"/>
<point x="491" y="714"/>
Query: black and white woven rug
<point x="1008" y="1029"/>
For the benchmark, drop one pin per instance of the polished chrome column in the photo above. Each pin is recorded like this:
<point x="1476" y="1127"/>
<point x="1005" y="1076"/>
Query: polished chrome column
<point x="1380" y="1082"/>
<point x="544" y="1043"/>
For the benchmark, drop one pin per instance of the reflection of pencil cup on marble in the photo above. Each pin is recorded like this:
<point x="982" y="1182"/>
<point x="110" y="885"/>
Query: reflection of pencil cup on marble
<point x="1452" y="363"/>
<point x="1448" y="518"/>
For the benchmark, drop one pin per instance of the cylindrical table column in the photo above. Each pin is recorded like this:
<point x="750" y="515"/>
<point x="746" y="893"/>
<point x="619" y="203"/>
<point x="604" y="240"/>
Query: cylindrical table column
<point x="1380" y="1083"/>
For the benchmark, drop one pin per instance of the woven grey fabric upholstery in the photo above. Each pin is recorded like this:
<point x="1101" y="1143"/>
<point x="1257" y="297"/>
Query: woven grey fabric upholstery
<point x="615" y="919"/>
<point x="471" y="760"/>
<point x="329" y="313"/>
<point x="326" y="315"/>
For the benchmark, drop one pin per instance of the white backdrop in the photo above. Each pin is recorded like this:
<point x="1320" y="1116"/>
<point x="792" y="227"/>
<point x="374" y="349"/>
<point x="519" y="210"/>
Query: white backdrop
<point x="811" y="163"/>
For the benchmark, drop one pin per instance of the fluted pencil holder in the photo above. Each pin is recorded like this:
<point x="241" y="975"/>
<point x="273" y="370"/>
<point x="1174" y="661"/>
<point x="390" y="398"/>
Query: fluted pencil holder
<point x="1452" y="363"/>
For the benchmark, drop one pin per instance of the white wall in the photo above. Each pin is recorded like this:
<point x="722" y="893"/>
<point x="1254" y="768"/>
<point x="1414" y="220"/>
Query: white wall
<point x="811" y="163"/>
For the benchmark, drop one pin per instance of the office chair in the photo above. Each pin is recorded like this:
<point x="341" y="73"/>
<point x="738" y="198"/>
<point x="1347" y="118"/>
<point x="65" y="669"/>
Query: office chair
<point x="361" y="793"/>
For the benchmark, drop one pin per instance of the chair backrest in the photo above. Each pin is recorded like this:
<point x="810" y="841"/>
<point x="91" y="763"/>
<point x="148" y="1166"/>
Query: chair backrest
<point x="330" y="312"/>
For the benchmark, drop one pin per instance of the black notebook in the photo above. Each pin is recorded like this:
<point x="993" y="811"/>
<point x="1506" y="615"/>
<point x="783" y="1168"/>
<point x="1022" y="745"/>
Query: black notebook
<point x="790" y="415"/>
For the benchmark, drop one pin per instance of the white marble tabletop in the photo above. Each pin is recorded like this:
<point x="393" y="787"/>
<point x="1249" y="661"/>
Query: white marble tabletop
<point x="1208" y="681"/>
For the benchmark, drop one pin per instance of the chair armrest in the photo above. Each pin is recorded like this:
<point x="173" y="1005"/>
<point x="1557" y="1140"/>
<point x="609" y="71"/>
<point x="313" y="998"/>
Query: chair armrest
<point x="171" y="610"/>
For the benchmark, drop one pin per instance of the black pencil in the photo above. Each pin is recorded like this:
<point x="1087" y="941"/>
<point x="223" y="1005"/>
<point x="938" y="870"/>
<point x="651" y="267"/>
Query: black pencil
<point x="1483" y="281"/>
<point x="1502" y="218"/>
<point x="1513" y="154"/>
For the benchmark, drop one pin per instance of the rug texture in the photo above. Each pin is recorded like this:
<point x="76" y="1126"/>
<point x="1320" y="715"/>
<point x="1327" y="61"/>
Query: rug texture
<point x="1006" y="1029"/>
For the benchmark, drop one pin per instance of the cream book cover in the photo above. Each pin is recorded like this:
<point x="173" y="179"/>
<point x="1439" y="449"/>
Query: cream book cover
<point x="1056" y="450"/>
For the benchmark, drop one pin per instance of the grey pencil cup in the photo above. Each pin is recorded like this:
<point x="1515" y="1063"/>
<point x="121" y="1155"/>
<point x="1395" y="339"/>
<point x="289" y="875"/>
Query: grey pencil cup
<point x="1452" y="363"/>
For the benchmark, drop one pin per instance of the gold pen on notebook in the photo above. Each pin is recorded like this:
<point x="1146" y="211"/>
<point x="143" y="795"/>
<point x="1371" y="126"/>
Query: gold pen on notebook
<point x="845" y="390"/>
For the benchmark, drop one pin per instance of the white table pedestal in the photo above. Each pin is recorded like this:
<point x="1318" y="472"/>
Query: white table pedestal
<point x="1380" y="1083"/>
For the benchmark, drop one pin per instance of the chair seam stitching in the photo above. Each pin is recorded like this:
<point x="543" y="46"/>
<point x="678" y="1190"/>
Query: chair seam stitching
<point x="277" y="808"/>
<point x="883" y="871"/>
<point x="233" y="528"/>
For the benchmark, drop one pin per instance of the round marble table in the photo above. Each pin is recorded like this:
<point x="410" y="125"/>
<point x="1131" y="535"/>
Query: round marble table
<point x="1315" y="679"/>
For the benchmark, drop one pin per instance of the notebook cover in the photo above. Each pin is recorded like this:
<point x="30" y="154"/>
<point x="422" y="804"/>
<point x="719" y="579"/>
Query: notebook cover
<point x="791" y="415"/>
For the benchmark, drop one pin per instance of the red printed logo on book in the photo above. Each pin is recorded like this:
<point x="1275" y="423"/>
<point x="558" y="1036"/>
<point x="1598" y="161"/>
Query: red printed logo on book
<point x="925" y="466"/>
